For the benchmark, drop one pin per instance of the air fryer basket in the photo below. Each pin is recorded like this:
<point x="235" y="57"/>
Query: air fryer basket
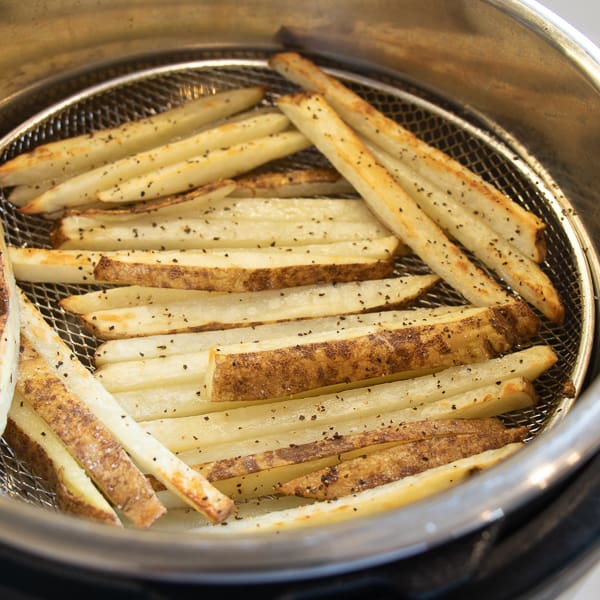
<point x="110" y="95"/>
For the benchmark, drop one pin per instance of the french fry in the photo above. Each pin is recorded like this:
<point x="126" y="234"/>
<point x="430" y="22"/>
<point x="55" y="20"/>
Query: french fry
<point x="385" y="497"/>
<point x="237" y="270"/>
<point x="391" y="464"/>
<point x="518" y="271"/>
<point x="9" y="331"/>
<point x="206" y="167"/>
<point x="154" y="232"/>
<point x="90" y="150"/>
<point x="520" y="227"/>
<point x="40" y="265"/>
<point x="284" y="367"/>
<point x="35" y="443"/>
<point x="149" y="454"/>
<point x="320" y="417"/>
<point x="295" y="183"/>
<point x="84" y="188"/>
<point x="86" y="438"/>
<point x="387" y="199"/>
<point x="207" y="431"/>
<point x="156" y="346"/>
<point x="253" y="308"/>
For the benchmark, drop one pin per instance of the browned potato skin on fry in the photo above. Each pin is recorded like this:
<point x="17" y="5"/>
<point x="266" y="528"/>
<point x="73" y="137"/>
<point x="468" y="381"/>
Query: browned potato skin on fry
<point x="36" y="458"/>
<point x="391" y="464"/>
<point x="294" y="369"/>
<point x="236" y="279"/>
<point x="89" y="442"/>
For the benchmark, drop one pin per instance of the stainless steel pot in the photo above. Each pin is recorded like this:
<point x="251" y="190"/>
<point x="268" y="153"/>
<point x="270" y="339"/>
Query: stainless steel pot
<point x="509" y="63"/>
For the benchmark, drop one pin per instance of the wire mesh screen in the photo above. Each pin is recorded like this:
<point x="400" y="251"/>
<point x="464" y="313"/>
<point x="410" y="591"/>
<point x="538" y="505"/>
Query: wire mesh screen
<point x="147" y="91"/>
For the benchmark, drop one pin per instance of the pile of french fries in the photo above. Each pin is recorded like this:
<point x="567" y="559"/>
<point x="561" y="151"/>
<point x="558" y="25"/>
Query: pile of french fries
<point x="262" y="358"/>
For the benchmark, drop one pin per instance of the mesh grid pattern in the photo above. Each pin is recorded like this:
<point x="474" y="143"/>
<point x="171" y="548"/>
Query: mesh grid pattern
<point x="154" y="92"/>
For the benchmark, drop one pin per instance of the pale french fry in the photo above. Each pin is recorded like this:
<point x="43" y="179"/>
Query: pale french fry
<point x="9" y="331"/>
<point x="85" y="187"/>
<point x="237" y="270"/>
<point x="128" y="296"/>
<point x="518" y="271"/>
<point x="156" y="346"/>
<point x="40" y="265"/>
<point x="90" y="150"/>
<point x="149" y="454"/>
<point x="170" y="400"/>
<point x="150" y="232"/>
<point x="252" y="308"/>
<point x="385" y="497"/>
<point x="206" y="168"/>
<point x="520" y="227"/>
<point x="315" y="418"/>
<point x="284" y="367"/>
<point x="387" y="199"/>
<point x="86" y="438"/>
<point x="293" y="183"/>
<point x="34" y="442"/>
<point x="391" y="464"/>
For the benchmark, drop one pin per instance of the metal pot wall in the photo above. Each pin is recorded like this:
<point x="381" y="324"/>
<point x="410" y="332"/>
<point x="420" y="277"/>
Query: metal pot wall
<point x="502" y="59"/>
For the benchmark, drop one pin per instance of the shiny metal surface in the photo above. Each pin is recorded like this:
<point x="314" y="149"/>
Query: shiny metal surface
<point x="502" y="60"/>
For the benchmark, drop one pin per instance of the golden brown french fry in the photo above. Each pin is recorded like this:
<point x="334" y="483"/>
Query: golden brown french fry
<point x="280" y="368"/>
<point x="156" y="346"/>
<point x="385" y="497"/>
<point x="86" y="438"/>
<point x="313" y="116"/>
<point x="520" y="227"/>
<point x="339" y="446"/>
<point x="401" y="460"/>
<point x="90" y="150"/>
<point x="237" y="270"/>
<point x="253" y="308"/>
<point x="519" y="272"/>
<point x="295" y="183"/>
<point x="9" y="331"/>
<point x="35" y="443"/>
<point x="84" y="188"/>
<point x="149" y="454"/>
<point x="206" y="167"/>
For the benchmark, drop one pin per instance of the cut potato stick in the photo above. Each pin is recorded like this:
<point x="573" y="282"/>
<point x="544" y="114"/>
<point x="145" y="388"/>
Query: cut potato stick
<point x="340" y="447"/>
<point x="293" y="183"/>
<point x="91" y="150"/>
<point x="193" y="232"/>
<point x="391" y="464"/>
<point x="34" y="442"/>
<point x="520" y="227"/>
<point x="130" y="295"/>
<point x="86" y="438"/>
<point x="267" y="424"/>
<point x="251" y="308"/>
<point x="170" y="400"/>
<point x="388" y="200"/>
<point x="85" y="187"/>
<point x="520" y="272"/>
<point x="40" y="265"/>
<point x="385" y="497"/>
<point x="206" y="167"/>
<point x="149" y="454"/>
<point x="489" y="400"/>
<point x="9" y="331"/>
<point x="279" y="368"/>
<point x="156" y="346"/>
<point x="237" y="270"/>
